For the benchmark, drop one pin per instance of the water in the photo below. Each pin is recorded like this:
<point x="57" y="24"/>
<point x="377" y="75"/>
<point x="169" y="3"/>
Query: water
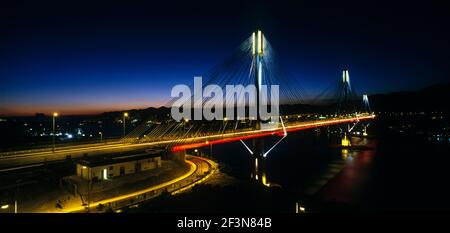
<point x="400" y="173"/>
<point x="392" y="173"/>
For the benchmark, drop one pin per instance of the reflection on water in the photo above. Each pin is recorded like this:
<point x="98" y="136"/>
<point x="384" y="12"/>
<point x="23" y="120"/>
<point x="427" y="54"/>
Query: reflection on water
<point x="347" y="185"/>
<point x="345" y="155"/>
<point x="307" y="164"/>
<point x="375" y="173"/>
<point x="338" y="179"/>
<point x="259" y="172"/>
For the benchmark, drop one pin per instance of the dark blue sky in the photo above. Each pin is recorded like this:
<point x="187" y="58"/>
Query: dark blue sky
<point x="97" y="56"/>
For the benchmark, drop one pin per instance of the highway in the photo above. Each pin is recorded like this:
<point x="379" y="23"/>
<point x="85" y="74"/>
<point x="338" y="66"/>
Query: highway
<point x="19" y="161"/>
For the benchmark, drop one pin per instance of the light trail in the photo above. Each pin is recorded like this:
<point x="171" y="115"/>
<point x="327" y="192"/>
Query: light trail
<point x="23" y="160"/>
<point x="213" y="170"/>
<point x="231" y="137"/>
<point x="192" y="170"/>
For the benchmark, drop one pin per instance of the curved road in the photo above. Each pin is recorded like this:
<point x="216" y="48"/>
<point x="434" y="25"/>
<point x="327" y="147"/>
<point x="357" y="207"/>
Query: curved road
<point x="197" y="168"/>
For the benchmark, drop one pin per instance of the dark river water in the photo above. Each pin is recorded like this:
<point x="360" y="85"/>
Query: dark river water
<point x="387" y="172"/>
<point x="390" y="172"/>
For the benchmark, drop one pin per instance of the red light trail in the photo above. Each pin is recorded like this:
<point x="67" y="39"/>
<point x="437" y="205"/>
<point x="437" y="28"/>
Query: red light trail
<point x="291" y="128"/>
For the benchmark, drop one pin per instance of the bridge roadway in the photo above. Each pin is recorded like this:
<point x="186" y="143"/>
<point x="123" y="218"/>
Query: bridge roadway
<point x="34" y="159"/>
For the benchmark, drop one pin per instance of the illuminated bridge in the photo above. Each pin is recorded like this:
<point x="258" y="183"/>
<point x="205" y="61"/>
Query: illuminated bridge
<point x="254" y="62"/>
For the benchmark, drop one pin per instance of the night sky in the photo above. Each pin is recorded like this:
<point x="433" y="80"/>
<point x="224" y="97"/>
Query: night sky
<point x="80" y="58"/>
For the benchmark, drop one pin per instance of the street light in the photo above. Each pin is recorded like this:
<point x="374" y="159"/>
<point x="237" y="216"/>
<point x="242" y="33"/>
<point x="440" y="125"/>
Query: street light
<point x="299" y="209"/>
<point x="125" y="114"/>
<point x="101" y="136"/>
<point x="185" y="121"/>
<point x="225" y="121"/>
<point x="6" y="206"/>
<point x="55" y="114"/>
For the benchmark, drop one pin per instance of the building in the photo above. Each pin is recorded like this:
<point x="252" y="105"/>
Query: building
<point x="105" y="168"/>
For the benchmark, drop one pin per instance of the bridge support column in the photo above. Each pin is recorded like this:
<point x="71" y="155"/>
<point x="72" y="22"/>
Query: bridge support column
<point x="364" y="131"/>
<point x="259" y="162"/>
<point x="259" y="169"/>
<point x="345" y="141"/>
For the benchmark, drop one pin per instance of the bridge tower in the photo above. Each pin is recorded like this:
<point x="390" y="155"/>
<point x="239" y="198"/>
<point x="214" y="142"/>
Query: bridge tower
<point x="366" y="108"/>
<point x="346" y="104"/>
<point x="346" y="96"/>
<point x="366" y="105"/>
<point x="258" y="143"/>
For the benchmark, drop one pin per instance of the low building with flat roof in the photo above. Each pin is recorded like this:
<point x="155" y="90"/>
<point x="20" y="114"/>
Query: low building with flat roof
<point x="103" y="168"/>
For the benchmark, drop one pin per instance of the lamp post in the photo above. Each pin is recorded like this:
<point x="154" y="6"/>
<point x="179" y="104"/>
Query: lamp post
<point x="225" y="121"/>
<point x="101" y="136"/>
<point x="55" y="114"/>
<point x="186" y="120"/>
<point x="6" y="206"/>
<point x="125" y="114"/>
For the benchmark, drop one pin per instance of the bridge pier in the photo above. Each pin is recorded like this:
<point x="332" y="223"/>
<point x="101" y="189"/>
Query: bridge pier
<point x="259" y="170"/>
<point x="364" y="131"/>
<point x="345" y="141"/>
<point x="259" y="161"/>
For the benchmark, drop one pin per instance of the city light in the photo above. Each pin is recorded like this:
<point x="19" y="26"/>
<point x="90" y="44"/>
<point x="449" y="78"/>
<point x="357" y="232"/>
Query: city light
<point x="5" y="207"/>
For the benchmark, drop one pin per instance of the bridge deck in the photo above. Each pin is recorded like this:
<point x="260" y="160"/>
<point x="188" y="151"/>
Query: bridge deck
<point x="231" y="137"/>
<point x="27" y="158"/>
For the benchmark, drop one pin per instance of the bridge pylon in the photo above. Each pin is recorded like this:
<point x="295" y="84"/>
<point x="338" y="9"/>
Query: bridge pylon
<point x="346" y="98"/>
<point x="366" y="108"/>
<point x="258" y="143"/>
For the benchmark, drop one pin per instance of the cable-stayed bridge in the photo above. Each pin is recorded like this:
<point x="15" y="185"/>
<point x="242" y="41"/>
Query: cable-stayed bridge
<point x="254" y="62"/>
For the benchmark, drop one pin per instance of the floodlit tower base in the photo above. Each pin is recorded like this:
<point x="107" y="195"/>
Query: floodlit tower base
<point x="345" y="141"/>
<point x="364" y="131"/>
<point x="259" y="170"/>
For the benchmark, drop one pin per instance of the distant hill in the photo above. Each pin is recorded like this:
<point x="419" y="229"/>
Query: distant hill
<point x="147" y="114"/>
<point x="433" y="98"/>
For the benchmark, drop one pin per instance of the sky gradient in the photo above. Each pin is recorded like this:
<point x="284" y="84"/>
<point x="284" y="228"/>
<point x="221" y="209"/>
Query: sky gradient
<point x="83" y="58"/>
